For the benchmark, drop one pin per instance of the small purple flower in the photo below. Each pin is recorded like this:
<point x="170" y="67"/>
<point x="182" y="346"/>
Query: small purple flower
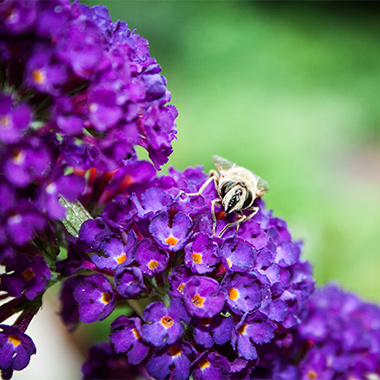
<point x="174" y="237"/>
<point x="113" y="252"/>
<point x="201" y="254"/>
<point x="15" y="350"/>
<point x="25" y="276"/>
<point x="211" y="366"/>
<point x="203" y="297"/>
<point x="126" y="337"/>
<point x="208" y="331"/>
<point x="315" y="366"/>
<point x="13" y="120"/>
<point x="42" y="73"/>
<point x="120" y="214"/>
<point x="70" y="186"/>
<point x="245" y="292"/>
<point x="27" y="162"/>
<point x="177" y="281"/>
<point x="92" y="233"/>
<point x="80" y="45"/>
<point x="152" y="260"/>
<point x="163" y="325"/>
<point x="95" y="298"/>
<point x="18" y="16"/>
<point x="237" y="256"/>
<point x="171" y="361"/>
<point x="288" y="253"/>
<point x="250" y="331"/>
<point x="129" y="281"/>
<point x="23" y="222"/>
<point x="154" y="200"/>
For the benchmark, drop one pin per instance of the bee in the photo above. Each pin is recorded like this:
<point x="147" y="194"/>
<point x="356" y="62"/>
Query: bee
<point x="237" y="188"/>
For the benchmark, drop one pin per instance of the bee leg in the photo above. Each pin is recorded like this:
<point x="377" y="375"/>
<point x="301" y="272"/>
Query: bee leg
<point x="241" y="216"/>
<point x="213" y="203"/>
<point x="213" y="177"/>
<point x="239" y="221"/>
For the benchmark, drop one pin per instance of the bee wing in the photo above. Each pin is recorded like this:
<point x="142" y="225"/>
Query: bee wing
<point x="221" y="163"/>
<point x="262" y="186"/>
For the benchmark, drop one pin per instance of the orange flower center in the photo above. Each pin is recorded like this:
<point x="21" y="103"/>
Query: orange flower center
<point x="197" y="258"/>
<point x="167" y="321"/>
<point x="197" y="300"/>
<point x="312" y="374"/>
<point x="39" y="76"/>
<point x="171" y="240"/>
<point x="15" y="340"/>
<point x="136" y="333"/>
<point x="233" y="294"/>
<point x="153" y="264"/>
<point x="105" y="298"/>
<point x="121" y="258"/>
<point x="180" y="288"/>
<point x="204" y="364"/>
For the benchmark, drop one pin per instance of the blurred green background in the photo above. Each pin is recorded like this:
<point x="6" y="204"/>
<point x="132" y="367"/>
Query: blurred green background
<point x="290" y="91"/>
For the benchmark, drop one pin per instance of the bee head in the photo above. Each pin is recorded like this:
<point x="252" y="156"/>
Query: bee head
<point x="234" y="199"/>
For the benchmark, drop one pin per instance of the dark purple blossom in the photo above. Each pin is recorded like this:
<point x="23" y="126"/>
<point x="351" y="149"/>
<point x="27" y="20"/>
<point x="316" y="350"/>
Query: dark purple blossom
<point x="26" y="276"/>
<point x="211" y="366"/>
<point x="21" y="224"/>
<point x="236" y="255"/>
<point x="245" y="293"/>
<point x="126" y="337"/>
<point x="171" y="236"/>
<point x="95" y="298"/>
<point x="15" y="350"/>
<point x="113" y="252"/>
<point x="177" y="281"/>
<point x="203" y="297"/>
<point x="171" y="361"/>
<point x="163" y="325"/>
<point x="201" y="254"/>
<point x="252" y="330"/>
<point x="92" y="233"/>
<point x="26" y="162"/>
<point x="120" y="214"/>
<point x="152" y="260"/>
<point x="210" y="331"/>
<point x="129" y="281"/>
<point x="13" y="120"/>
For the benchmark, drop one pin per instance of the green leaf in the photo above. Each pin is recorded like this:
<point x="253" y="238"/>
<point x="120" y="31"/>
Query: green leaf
<point x="76" y="214"/>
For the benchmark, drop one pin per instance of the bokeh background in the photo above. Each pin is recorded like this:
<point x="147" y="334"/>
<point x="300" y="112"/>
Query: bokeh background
<point x="289" y="90"/>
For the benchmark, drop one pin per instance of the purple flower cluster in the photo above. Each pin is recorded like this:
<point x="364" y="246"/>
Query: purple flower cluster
<point x="77" y="91"/>
<point x="339" y="339"/>
<point x="211" y="301"/>
<point x="15" y="350"/>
